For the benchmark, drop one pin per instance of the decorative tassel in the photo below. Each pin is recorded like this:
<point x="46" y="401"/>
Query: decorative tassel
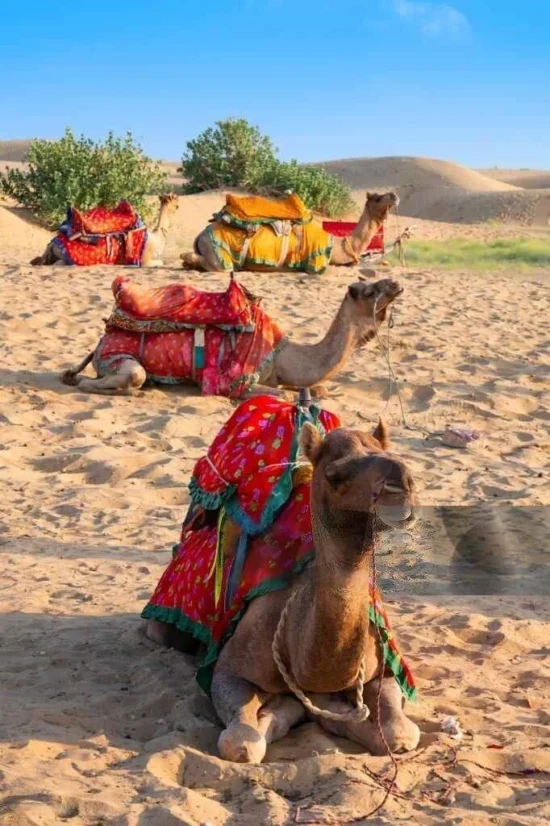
<point x="237" y="565"/>
<point x="217" y="565"/>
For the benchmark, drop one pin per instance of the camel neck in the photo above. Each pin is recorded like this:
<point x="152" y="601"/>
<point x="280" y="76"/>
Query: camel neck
<point x="304" y="365"/>
<point x="163" y="223"/>
<point x="364" y="232"/>
<point x="336" y="625"/>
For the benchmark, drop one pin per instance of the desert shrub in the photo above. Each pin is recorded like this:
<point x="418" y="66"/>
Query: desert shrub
<point x="232" y="153"/>
<point x="82" y="173"/>
<point x="235" y="153"/>
<point x="318" y="189"/>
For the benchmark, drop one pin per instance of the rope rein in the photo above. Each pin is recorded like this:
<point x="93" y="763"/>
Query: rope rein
<point x="357" y="715"/>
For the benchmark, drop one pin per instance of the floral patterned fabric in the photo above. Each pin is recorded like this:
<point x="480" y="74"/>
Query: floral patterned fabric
<point x="221" y="362"/>
<point x="102" y="236"/>
<point x="178" y="304"/>
<point x="255" y="489"/>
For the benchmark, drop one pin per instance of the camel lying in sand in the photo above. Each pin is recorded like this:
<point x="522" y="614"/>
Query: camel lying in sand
<point x="314" y="637"/>
<point x="294" y="365"/>
<point x="345" y="251"/>
<point x="154" y="245"/>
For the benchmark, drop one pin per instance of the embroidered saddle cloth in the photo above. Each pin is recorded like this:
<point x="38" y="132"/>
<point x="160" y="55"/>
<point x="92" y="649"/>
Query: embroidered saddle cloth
<point x="249" y="483"/>
<point x="267" y="233"/>
<point x="177" y="306"/>
<point x="102" y="236"/>
<point x="221" y="341"/>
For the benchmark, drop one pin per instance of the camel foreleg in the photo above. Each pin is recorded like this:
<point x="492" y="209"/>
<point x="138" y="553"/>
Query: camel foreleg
<point x="252" y="717"/>
<point x="400" y="733"/>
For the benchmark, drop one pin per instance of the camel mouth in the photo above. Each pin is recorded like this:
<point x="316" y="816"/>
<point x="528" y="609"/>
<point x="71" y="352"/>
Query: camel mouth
<point x="396" y="516"/>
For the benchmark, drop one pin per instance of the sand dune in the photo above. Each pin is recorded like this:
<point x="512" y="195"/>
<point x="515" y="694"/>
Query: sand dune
<point x="443" y="191"/>
<point x="525" y="178"/>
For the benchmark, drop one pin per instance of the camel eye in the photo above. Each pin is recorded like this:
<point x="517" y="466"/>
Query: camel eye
<point x="390" y="487"/>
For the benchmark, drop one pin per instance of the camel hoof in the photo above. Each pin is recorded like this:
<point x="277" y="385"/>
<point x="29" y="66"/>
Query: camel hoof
<point x="242" y="744"/>
<point x="157" y="631"/>
<point x="70" y="377"/>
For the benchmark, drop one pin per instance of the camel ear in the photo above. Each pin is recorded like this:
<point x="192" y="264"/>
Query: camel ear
<point x="354" y="291"/>
<point x="368" y="195"/>
<point x="382" y="434"/>
<point x="310" y="442"/>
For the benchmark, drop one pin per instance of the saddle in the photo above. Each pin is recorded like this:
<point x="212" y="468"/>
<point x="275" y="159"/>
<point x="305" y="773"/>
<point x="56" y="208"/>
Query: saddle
<point x="102" y="236"/>
<point x="179" y="306"/>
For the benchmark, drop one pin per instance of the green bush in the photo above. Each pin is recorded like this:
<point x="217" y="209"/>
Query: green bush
<point x="235" y="153"/>
<point x="82" y="173"/>
<point x="318" y="189"/>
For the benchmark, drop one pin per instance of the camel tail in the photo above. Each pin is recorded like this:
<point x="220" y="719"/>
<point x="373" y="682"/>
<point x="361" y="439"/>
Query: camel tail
<point x="69" y="376"/>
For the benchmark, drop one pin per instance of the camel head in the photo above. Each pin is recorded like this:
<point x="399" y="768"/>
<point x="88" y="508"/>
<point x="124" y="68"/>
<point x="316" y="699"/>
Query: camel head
<point x="380" y="206"/>
<point x="169" y="202"/>
<point x="357" y="481"/>
<point x="368" y="304"/>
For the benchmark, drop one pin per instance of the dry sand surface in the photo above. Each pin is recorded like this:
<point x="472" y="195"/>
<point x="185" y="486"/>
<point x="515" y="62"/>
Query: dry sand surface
<point x="98" y="725"/>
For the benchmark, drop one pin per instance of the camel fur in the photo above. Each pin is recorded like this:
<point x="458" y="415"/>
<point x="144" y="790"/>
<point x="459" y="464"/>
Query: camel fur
<point x="343" y="251"/>
<point x="362" y="311"/>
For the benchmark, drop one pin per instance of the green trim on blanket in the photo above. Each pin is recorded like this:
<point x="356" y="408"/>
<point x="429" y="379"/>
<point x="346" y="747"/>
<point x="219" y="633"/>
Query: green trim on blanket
<point x="252" y="223"/>
<point x="281" y="491"/>
<point x="209" y="501"/>
<point x="303" y="264"/>
<point x="173" y="616"/>
<point x="219" y="245"/>
<point x="238" y="263"/>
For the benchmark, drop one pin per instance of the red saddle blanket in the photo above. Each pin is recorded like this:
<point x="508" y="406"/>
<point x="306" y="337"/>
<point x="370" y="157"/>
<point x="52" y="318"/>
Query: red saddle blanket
<point x="250" y="478"/>
<point x="343" y="228"/>
<point x="102" y="236"/>
<point x="180" y="304"/>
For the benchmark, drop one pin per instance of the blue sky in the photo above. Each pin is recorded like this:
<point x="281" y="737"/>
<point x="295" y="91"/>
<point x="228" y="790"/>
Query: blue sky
<point x="467" y="81"/>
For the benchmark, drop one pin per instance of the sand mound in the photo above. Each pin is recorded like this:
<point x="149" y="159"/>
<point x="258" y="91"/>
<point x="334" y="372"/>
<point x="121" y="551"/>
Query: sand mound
<point x="20" y="237"/>
<point x="525" y="178"/>
<point x="14" y="150"/>
<point x="443" y="191"/>
<point x="411" y="173"/>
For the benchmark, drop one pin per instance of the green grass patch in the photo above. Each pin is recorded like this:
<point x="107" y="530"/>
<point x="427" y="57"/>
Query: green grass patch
<point x="462" y="253"/>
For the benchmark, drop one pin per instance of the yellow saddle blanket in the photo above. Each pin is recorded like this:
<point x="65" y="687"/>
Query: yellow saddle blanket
<point x="307" y="248"/>
<point x="253" y="209"/>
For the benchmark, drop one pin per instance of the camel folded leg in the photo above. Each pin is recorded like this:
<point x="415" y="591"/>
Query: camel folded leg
<point x="252" y="718"/>
<point x="400" y="733"/>
<point x="125" y="381"/>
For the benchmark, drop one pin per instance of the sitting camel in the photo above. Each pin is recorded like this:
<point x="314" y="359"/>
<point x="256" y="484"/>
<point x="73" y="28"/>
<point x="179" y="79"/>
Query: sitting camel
<point x="330" y="250"/>
<point x="153" y="249"/>
<point x="307" y="649"/>
<point x="124" y="368"/>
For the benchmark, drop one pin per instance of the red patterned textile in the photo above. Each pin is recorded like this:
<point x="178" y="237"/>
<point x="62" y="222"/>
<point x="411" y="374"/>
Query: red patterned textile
<point x="181" y="303"/>
<point x="102" y="236"/>
<point x="226" y="363"/>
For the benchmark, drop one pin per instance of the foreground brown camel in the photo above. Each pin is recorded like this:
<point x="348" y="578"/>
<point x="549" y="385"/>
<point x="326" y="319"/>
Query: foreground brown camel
<point x="154" y="246"/>
<point x="345" y="251"/>
<point x="359" y="316"/>
<point x="318" y="627"/>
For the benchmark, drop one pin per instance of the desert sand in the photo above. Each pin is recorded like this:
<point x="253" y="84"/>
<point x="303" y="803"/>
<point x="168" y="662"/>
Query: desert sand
<point x="98" y="725"/>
